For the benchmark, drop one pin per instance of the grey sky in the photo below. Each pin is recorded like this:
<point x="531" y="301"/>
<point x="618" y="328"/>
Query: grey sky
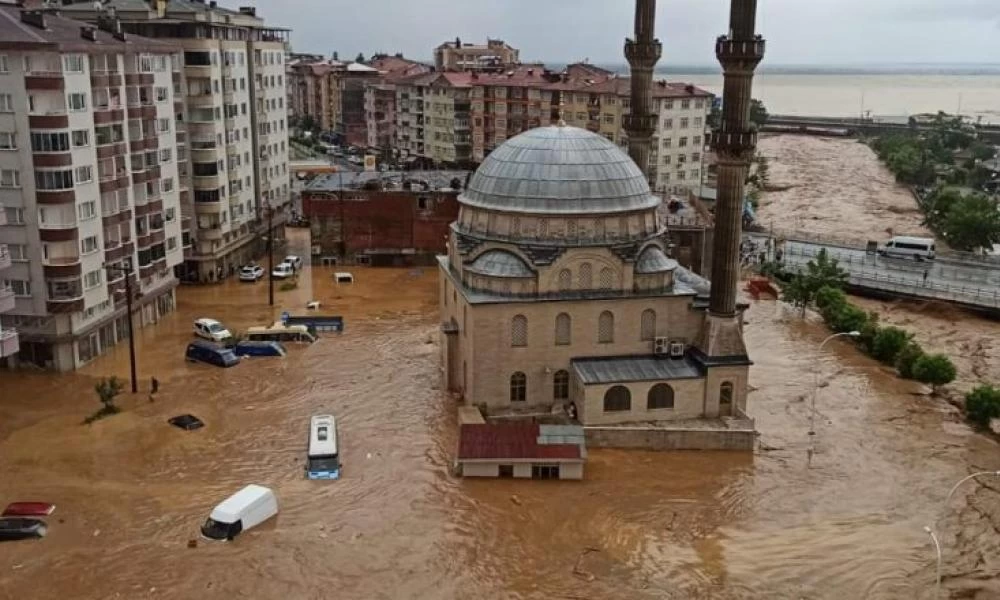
<point x="798" y="31"/>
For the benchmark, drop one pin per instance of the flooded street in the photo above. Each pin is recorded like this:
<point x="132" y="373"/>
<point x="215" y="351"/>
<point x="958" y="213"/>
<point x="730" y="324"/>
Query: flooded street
<point x="131" y="490"/>
<point x="836" y="187"/>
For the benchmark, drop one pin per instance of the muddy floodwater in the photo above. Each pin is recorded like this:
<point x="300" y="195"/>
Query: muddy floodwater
<point x="132" y="491"/>
<point x="835" y="187"/>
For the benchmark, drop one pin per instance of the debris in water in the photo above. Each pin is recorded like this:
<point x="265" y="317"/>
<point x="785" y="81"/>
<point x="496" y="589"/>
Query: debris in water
<point x="17" y="566"/>
<point x="192" y="543"/>
<point x="515" y="499"/>
<point x="97" y="532"/>
<point x="580" y="572"/>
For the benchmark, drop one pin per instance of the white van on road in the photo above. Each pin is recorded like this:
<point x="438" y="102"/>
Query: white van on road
<point x="901" y="246"/>
<point x="245" y="509"/>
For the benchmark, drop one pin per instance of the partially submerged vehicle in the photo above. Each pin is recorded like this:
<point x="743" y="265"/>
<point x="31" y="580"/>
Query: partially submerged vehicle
<point x="244" y="510"/>
<point x="202" y="351"/>
<point x="280" y="332"/>
<point x="259" y="348"/>
<point x="28" y="509"/>
<point x="186" y="422"/>
<point x="323" y="458"/>
<point x="19" y="528"/>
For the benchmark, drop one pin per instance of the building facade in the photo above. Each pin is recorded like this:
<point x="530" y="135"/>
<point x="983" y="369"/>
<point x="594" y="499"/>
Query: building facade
<point x="308" y="83"/>
<point x="234" y="152"/>
<point x="9" y="342"/>
<point x="557" y="293"/>
<point x="491" y="56"/>
<point x="90" y="182"/>
<point x="380" y="102"/>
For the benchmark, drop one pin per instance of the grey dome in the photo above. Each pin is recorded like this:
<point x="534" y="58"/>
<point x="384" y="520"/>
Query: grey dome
<point x="499" y="263"/>
<point x="559" y="170"/>
<point x="653" y="260"/>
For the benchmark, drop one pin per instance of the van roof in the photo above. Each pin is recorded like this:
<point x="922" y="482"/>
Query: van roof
<point x="205" y="344"/>
<point x="207" y="321"/>
<point x="911" y="238"/>
<point x="228" y="511"/>
<point x="278" y="326"/>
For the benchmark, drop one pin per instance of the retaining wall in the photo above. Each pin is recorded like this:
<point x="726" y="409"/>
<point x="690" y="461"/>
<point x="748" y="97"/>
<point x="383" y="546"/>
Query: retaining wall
<point x="649" y="438"/>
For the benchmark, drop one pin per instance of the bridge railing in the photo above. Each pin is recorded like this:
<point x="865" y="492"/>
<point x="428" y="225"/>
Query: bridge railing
<point x="851" y="258"/>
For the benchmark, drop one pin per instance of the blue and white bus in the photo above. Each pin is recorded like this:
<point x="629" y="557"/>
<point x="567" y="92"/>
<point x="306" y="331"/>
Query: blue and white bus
<point x="323" y="460"/>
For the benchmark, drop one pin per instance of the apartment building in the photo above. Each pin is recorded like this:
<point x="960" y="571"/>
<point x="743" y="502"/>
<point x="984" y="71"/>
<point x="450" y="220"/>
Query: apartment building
<point x="9" y="342"/>
<point x="380" y="100"/>
<point x="308" y="78"/>
<point x="433" y="119"/>
<point x="234" y="152"/>
<point x="491" y="56"/>
<point x="89" y="184"/>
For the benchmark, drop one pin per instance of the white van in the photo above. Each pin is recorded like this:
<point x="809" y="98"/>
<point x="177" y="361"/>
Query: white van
<point x="245" y="509"/>
<point x="902" y="246"/>
<point x="279" y="332"/>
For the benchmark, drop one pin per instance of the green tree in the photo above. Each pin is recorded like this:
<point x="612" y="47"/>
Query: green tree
<point x="983" y="404"/>
<point x="981" y="151"/>
<point x="934" y="369"/>
<point x="972" y="223"/>
<point x="758" y="113"/>
<point x="108" y="388"/>
<point x="869" y="332"/>
<point x="360" y="58"/>
<point x="847" y="318"/>
<point x="938" y="204"/>
<point x="830" y="297"/>
<point x="819" y="273"/>
<point x="888" y="343"/>
<point x="907" y="163"/>
<point x="907" y="358"/>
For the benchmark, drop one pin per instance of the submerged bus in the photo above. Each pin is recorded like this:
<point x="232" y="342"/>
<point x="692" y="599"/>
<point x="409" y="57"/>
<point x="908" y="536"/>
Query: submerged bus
<point x="323" y="460"/>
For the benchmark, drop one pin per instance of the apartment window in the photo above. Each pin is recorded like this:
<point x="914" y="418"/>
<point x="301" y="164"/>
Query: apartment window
<point x="169" y="215"/>
<point x="73" y="63"/>
<point x="84" y="174"/>
<point x="697" y="121"/>
<point x="17" y="251"/>
<point x="165" y="155"/>
<point x="88" y="245"/>
<point x="15" y="216"/>
<point x="7" y="141"/>
<point x="6" y="103"/>
<point x="92" y="279"/>
<point x="682" y="158"/>
<point x="684" y="123"/>
<point x="87" y="210"/>
<point x="696" y="140"/>
<point x="647" y="325"/>
<point x="696" y="157"/>
<point x="3" y="64"/>
<point x="171" y="244"/>
<point x="49" y="142"/>
<point x="683" y="142"/>
<point x="680" y="176"/>
<point x="162" y="94"/>
<point x="668" y="123"/>
<point x="21" y="287"/>
<point x="10" y="178"/>
<point x="54" y="180"/>
<point x="167" y="184"/>
<point x="163" y="125"/>
<point x="81" y="138"/>
<point x="666" y="159"/>
<point x="699" y="104"/>
<point x="243" y="109"/>
<point x="695" y="174"/>
<point x="668" y="105"/>
<point x="77" y="101"/>
<point x="685" y="104"/>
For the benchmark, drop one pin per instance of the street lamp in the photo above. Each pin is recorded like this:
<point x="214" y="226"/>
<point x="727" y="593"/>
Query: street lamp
<point x="812" y="410"/>
<point x="127" y="270"/>
<point x="944" y="507"/>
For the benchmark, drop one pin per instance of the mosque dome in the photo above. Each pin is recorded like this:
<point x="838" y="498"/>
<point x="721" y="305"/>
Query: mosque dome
<point x="653" y="260"/>
<point x="559" y="170"/>
<point x="499" y="263"/>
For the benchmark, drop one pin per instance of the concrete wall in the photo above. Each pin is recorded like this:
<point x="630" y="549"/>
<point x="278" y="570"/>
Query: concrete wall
<point x="738" y="376"/>
<point x="571" y="471"/>
<point x="689" y="395"/>
<point x="665" y="439"/>
<point x="481" y="470"/>
<point x="522" y="471"/>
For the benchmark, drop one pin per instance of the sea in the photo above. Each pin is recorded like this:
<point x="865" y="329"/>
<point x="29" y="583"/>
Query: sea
<point x="888" y="92"/>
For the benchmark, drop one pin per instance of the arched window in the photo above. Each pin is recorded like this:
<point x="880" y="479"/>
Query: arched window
<point x="647" y="325"/>
<point x="565" y="280"/>
<point x="606" y="328"/>
<point x="518" y="387"/>
<point x="586" y="277"/>
<point x="563" y="330"/>
<point x="660" y="395"/>
<point x="617" y="398"/>
<point x="560" y="385"/>
<point x="726" y="399"/>
<point x="607" y="278"/>
<point x="519" y="331"/>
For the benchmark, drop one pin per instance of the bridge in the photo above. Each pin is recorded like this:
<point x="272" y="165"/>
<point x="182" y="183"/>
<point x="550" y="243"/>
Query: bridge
<point x="954" y="278"/>
<point x="833" y="125"/>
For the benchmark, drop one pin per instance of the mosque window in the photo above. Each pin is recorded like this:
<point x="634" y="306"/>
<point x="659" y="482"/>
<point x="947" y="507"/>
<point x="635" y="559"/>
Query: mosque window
<point x="607" y="279"/>
<point x="563" y="328"/>
<point x="518" y="387"/>
<point x="519" y="331"/>
<point x="606" y="328"/>
<point x="565" y="280"/>
<point x="660" y="395"/>
<point x="586" y="276"/>
<point x="560" y="385"/>
<point x="647" y="325"/>
<point x="617" y="398"/>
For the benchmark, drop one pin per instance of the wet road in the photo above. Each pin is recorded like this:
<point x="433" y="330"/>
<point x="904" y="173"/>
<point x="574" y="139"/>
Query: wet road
<point x="132" y="491"/>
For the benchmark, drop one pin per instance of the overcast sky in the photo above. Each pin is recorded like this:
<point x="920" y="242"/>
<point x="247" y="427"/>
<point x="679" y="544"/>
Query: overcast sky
<point x="838" y="32"/>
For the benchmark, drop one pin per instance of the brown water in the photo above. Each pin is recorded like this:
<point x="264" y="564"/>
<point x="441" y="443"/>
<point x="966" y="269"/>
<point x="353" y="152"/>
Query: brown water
<point x="131" y="491"/>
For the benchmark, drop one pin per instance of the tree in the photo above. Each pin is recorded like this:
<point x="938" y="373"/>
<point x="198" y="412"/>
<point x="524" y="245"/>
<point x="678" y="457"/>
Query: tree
<point x="982" y="404"/>
<point x="935" y="369"/>
<point x="758" y="113"/>
<point x="972" y="223"/>
<point x="107" y="390"/>
<point x="937" y="205"/>
<point x="797" y="292"/>
<point x="981" y="151"/>
<point x="847" y="318"/>
<point x="360" y="58"/>
<point x="819" y="273"/>
<point x="907" y="358"/>
<point x="888" y="343"/>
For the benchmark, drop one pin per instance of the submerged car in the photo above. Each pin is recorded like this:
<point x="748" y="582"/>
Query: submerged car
<point x="210" y="329"/>
<point x="18" y="528"/>
<point x="28" y="509"/>
<point x="251" y="273"/>
<point x="283" y="271"/>
<point x="295" y="261"/>
<point x="245" y="509"/>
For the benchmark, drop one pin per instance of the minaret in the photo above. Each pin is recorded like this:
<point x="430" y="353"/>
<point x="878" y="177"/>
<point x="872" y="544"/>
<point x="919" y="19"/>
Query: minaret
<point x="734" y="142"/>
<point x="642" y="54"/>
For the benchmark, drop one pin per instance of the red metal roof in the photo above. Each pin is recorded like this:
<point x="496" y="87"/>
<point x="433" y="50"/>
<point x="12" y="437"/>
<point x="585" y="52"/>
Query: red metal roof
<point x="512" y="440"/>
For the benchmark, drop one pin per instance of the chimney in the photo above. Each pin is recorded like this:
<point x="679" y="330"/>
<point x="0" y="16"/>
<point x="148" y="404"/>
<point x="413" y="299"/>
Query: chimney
<point x="213" y="4"/>
<point x="35" y="18"/>
<point x="88" y="33"/>
<point x="250" y="11"/>
<point x="112" y="25"/>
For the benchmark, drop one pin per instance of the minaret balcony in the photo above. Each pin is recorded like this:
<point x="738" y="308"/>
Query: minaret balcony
<point x="643" y="54"/>
<point x="639" y="123"/>
<point x="728" y="50"/>
<point x="734" y="142"/>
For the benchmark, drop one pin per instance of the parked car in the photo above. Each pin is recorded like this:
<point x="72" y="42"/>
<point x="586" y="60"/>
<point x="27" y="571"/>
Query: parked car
<point x="247" y="508"/>
<point x="18" y="528"/>
<point x="295" y="261"/>
<point x="259" y="348"/>
<point x="199" y="351"/>
<point x="28" y="509"/>
<point x="251" y="273"/>
<point x="283" y="271"/>
<point x="210" y="329"/>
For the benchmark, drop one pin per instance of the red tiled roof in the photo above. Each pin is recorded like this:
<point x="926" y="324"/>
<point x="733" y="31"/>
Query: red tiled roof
<point x="511" y="440"/>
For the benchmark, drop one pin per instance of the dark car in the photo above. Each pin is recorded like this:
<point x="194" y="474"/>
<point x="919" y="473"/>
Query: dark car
<point x="249" y="348"/>
<point x="18" y="528"/>
<point x="202" y="351"/>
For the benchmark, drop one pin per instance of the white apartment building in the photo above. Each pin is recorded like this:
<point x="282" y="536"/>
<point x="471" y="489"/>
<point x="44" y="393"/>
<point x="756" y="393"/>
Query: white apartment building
<point x="88" y="182"/>
<point x="681" y="138"/>
<point x="233" y="113"/>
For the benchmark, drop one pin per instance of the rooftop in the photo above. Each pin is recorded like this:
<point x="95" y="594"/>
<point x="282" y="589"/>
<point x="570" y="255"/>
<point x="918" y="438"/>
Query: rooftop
<point x="389" y="180"/>
<point x="524" y="441"/>
<point x="66" y="34"/>
<point x="622" y="369"/>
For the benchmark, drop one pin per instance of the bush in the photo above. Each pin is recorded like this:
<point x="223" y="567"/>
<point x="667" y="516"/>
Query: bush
<point x="830" y="297"/>
<point x="888" y="343"/>
<point x="935" y="369"/>
<point x="847" y="318"/>
<point x="983" y="404"/>
<point x="906" y="358"/>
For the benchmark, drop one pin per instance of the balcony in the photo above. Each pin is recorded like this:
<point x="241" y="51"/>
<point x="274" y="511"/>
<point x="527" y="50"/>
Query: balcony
<point x="9" y="343"/>
<point x="207" y="182"/>
<point x="5" y="260"/>
<point x="3" y="216"/>
<point x="57" y="119"/>
<point x="44" y="81"/>
<point x="6" y="299"/>
<point x="111" y="149"/>
<point x="58" y="229"/>
<point x="210" y="232"/>
<point x="68" y="266"/>
<point x="139" y="79"/>
<point x="104" y="79"/>
<point x="55" y="196"/>
<point x="64" y="295"/>
<point x="108" y="114"/>
<point x="52" y="159"/>
<point x="204" y="99"/>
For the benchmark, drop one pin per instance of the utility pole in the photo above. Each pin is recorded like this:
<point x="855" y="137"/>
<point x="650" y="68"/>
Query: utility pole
<point x="270" y="253"/>
<point x="127" y="270"/>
